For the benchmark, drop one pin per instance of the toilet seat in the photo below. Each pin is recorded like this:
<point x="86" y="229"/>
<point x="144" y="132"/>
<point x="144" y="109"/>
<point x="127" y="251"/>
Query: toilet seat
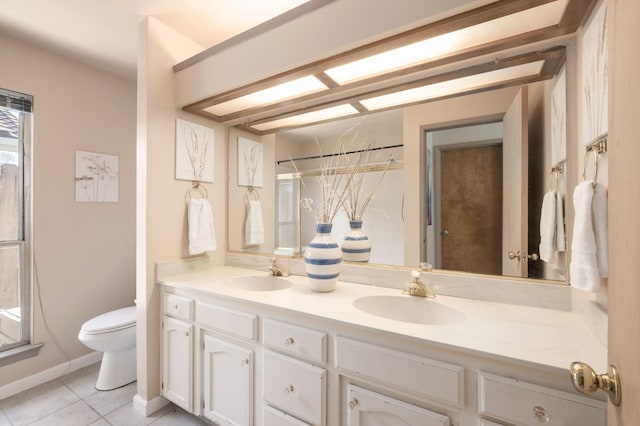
<point x="119" y="319"/>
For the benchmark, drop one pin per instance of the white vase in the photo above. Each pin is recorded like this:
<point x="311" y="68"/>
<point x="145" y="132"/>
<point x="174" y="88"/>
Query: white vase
<point x="356" y="247"/>
<point x="322" y="260"/>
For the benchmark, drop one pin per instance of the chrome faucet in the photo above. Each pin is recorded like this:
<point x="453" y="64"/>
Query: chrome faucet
<point x="277" y="270"/>
<point x="417" y="287"/>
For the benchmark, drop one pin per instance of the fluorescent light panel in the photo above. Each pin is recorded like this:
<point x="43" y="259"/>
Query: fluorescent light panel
<point x="281" y="92"/>
<point x="445" y="44"/>
<point x="452" y="87"/>
<point x="308" y="117"/>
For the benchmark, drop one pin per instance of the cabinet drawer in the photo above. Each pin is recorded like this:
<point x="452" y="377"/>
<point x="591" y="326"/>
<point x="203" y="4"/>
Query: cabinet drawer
<point x="273" y="417"/>
<point x="415" y="373"/>
<point x="368" y="407"/>
<point x="295" y="387"/>
<point x="296" y="340"/>
<point x="234" y="322"/>
<point x="527" y="404"/>
<point x="178" y="306"/>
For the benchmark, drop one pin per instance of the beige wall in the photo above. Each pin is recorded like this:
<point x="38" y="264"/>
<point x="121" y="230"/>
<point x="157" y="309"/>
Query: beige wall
<point x="161" y="204"/>
<point x="84" y="252"/>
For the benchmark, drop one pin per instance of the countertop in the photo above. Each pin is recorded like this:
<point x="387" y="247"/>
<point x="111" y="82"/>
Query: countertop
<point x="544" y="337"/>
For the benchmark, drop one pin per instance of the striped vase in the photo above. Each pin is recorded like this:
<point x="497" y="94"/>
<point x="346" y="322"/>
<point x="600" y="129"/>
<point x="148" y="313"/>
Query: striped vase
<point x="356" y="247"/>
<point x="322" y="260"/>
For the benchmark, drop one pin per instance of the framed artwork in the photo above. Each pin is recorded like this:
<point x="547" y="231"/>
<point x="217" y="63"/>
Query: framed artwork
<point x="594" y="74"/>
<point x="96" y="177"/>
<point x="250" y="159"/>
<point x="194" y="152"/>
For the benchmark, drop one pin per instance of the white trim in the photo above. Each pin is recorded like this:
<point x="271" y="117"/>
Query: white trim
<point x="49" y="374"/>
<point x="146" y="408"/>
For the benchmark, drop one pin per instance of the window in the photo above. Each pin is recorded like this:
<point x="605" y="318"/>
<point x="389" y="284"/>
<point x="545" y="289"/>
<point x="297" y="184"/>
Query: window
<point x="15" y="218"/>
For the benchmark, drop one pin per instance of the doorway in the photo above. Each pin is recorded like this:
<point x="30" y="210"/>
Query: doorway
<point x="471" y="208"/>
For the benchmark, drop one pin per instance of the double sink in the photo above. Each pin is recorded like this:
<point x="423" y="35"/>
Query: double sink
<point x="404" y="308"/>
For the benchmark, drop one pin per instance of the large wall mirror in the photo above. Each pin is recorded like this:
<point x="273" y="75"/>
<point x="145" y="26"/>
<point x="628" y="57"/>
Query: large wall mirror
<point x="459" y="183"/>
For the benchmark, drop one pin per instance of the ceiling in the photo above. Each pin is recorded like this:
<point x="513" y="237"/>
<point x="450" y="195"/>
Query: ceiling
<point x="104" y="34"/>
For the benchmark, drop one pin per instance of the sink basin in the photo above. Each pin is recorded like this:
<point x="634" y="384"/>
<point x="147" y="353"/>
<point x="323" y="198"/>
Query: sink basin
<point x="417" y="310"/>
<point x="258" y="283"/>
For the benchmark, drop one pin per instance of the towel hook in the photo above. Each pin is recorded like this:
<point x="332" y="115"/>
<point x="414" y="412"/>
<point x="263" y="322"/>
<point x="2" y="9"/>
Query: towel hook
<point x="595" y="166"/>
<point x="251" y="195"/>
<point x="555" y="176"/>
<point x="195" y="186"/>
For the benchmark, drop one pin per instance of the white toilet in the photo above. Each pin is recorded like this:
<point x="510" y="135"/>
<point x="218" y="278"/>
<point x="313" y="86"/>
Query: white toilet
<point x="114" y="334"/>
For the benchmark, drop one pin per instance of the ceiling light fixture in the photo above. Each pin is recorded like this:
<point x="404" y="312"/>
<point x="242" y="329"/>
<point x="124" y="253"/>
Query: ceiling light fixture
<point x="452" y="87"/>
<point x="281" y="92"/>
<point x="513" y="71"/>
<point x="445" y="44"/>
<point x="316" y="116"/>
<point x="400" y="63"/>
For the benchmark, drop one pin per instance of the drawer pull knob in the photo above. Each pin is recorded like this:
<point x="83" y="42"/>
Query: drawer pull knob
<point x="244" y="361"/>
<point x="540" y="414"/>
<point x="353" y="403"/>
<point x="585" y="380"/>
<point x="289" y="341"/>
<point x="288" y="389"/>
<point x="175" y="307"/>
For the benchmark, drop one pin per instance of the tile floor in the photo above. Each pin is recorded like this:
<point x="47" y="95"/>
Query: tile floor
<point x="72" y="400"/>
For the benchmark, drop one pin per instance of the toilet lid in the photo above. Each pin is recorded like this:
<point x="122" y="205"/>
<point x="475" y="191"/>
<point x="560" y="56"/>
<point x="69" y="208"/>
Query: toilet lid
<point x="114" y="320"/>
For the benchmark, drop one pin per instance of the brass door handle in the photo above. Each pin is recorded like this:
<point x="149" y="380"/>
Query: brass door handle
<point x="521" y="257"/>
<point x="585" y="380"/>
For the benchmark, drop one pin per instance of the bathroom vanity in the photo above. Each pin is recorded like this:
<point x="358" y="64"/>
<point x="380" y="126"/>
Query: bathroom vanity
<point x="240" y="347"/>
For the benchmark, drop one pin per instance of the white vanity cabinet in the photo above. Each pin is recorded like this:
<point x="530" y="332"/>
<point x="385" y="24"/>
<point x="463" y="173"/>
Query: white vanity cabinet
<point x="227" y="382"/>
<point x="292" y="383"/>
<point x="177" y="351"/>
<point x="227" y="365"/>
<point x="248" y="363"/>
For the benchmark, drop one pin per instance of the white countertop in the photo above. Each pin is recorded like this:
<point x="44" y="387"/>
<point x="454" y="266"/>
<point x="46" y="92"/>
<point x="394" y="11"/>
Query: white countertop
<point x="548" y="338"/>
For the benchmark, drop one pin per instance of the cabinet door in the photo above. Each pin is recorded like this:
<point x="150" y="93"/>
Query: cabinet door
<point x="227" y="382"/>
<point x="369" y="408"/>
<point x="177" y="364"/>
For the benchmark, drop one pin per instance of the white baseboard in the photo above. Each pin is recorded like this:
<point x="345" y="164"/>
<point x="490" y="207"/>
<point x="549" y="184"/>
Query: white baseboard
<point x="147" y="408"/>
<point x="49" y="374"/>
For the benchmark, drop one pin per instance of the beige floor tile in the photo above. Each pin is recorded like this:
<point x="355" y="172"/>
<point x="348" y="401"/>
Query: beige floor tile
<point x="128" y="416"/>
<point x="100" y="422"/>
<point x="4" y="421"/>
<point x="33" y="404"/>
<point x="177" y="416"/>
<point x="83" y="382"/>
<point x="77" y="414"/>
<point x="104" y="402"/>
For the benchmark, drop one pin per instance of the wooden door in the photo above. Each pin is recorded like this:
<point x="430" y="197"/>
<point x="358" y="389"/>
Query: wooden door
<point x="227" y="382"/>
<point x="365" y="407"/>
<point x="624" y="207"/>
<point x="515" y="179"/>
<point x="177" y="371"/>
<point x="471" y="209"/>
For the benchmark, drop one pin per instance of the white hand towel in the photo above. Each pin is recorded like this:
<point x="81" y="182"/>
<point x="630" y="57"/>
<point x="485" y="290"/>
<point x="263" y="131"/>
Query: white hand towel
<point x="561" y="244"/>
<point x="584" y="265"/>
<point x="548" y="228"/>
<point x="202" y="234"/>
<point x="253" y="227"/>
<point x="600" y="225"/>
